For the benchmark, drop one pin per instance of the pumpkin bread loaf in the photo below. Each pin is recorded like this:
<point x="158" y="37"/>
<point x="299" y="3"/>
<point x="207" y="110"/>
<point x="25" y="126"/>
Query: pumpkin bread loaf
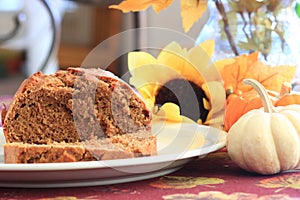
<point x="76" y="115"/>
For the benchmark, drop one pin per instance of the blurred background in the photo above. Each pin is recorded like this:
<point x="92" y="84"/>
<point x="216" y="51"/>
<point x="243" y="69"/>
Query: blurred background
<point x="47" y="35"/>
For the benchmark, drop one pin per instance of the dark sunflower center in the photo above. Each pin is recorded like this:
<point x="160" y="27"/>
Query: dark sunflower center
<point x="187" y="95"/>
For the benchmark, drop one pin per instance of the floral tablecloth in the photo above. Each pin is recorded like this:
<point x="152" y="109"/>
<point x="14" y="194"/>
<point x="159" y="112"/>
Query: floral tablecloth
<point x="213" y="177"/>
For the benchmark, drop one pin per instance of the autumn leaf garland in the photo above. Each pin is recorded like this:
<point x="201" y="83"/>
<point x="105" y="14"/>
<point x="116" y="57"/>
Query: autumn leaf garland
<point x="191" y="10"/>
<point x="134" y="6"/>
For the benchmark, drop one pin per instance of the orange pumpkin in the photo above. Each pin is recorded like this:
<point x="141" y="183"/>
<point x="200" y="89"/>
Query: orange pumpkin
<point x="239" y="105"/>
<point x="288" y="99"/>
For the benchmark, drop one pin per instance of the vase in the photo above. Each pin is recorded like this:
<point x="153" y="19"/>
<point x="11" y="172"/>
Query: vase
<point x="271" y="30"/>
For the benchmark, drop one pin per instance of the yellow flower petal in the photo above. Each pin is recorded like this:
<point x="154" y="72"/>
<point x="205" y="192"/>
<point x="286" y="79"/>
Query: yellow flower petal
<point x="194" y="64"/>
<point x="149" y="91"/>
<point x="137" y="59"/>
<point x="206" y="104"/>
<point x="147" y="79"/>
<point x="173" y="55"/>
<point x="170" y="113"/>
<point x="216" y="120"/>
<point x="215" y="92"/>
<point x="152" y="74"/>
<point x="148" y="94"/>
<point x="208" y="46"/>
<point x="200" y="59"/>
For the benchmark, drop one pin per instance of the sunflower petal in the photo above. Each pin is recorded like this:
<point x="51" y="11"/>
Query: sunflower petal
<point x="173" y="55"/>
<point x="170" y="112"/>
<point x="138" y="59"/>
<point x="152" y="74"/>
<point x="208" y="46"/>
<point x="216" y="120"/>
<point x="188" y="64"/>
<point x="147" y="79"/>
<point x="206" y="104"/>
<point x="200" y="60"/>
<point x="215" y="92"/>
<point x="148" y="94"/>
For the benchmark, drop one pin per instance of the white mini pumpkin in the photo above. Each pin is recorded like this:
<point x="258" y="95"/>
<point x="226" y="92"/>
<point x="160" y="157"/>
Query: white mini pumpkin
<point x="266" y="141"/>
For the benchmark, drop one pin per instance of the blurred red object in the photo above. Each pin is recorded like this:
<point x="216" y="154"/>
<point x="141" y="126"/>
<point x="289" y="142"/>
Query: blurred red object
<point x="4" y="103"/>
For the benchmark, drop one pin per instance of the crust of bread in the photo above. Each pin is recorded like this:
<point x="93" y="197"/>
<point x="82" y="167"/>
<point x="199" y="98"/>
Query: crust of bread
<point x="49" y="153"/>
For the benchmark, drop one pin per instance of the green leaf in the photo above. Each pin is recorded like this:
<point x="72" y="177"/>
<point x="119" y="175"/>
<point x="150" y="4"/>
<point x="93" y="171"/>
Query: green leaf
<point x="297" y="9"/>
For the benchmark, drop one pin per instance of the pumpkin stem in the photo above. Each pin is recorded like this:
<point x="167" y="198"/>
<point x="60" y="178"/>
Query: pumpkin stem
<point x="268" y="107"/>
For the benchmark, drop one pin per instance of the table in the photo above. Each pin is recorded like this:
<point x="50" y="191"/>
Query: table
<point x="213" y="177"/>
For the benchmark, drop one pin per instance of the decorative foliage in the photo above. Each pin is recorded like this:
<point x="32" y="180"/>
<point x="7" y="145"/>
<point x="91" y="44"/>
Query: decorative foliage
<point x="254" y="25"/>
<point x="297" y="9"/>
<point x="282" y="181"/>
<point x="181" y="182"/>
<point x="257" y="29"/>
<point x="216" y="195"/>
<point x="191" y="10"/>
<point x="134" y="6"/>
<point x="234" y="71"/>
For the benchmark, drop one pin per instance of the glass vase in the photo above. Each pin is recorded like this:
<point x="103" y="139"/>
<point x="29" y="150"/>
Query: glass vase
<point x="241" y="27"/>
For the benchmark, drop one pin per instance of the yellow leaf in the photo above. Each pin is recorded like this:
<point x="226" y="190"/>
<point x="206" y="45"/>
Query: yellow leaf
<point x="249" y="5"/>
<point x="191" y="12"/>
<point x="223" y="196"/>
<point x="272" y="77"/>
<point x="138" y="5"/>
<point x="283" y="181"/>
<point x="180" y="182"/>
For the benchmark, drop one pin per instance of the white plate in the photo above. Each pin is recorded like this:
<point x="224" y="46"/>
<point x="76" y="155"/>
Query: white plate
<point x="177" y="145"/>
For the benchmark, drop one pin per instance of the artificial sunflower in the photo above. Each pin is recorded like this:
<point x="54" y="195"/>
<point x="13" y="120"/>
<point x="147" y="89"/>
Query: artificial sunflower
<point x="179" y="84"/>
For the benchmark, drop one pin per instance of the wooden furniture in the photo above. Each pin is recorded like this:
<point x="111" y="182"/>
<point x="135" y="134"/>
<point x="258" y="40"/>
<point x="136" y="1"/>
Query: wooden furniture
<point x="103" y="23"/>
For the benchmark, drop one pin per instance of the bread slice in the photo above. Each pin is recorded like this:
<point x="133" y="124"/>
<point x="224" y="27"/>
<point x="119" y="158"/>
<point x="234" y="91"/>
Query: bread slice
<point x="116" y="147"/>
<point x="62" y="113"/>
